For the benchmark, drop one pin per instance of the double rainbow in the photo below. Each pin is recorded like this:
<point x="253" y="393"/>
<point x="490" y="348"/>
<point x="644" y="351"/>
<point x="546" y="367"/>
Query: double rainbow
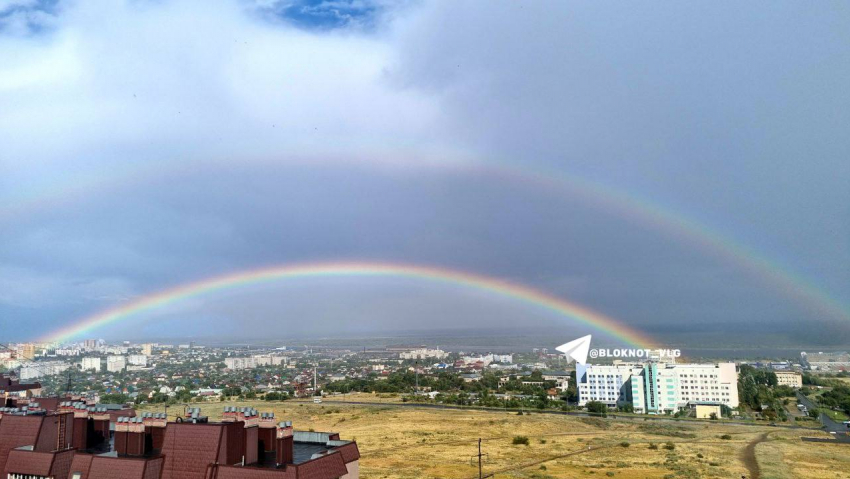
<point x="619" y="202"/>
<point x="495" y="286"/>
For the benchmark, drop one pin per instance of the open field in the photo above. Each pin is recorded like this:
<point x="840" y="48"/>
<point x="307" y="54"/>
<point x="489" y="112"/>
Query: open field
<point x="401" y="443"/>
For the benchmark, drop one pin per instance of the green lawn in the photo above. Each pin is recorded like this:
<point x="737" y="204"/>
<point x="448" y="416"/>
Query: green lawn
<point x="835" y="415"/>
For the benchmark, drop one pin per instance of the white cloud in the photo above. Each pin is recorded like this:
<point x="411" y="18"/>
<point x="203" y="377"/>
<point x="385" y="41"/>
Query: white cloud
<point x="128" y="82"/>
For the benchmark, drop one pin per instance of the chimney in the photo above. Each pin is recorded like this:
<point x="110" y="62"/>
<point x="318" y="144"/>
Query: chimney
<point x="99" y="418"/>
<point x="154" y="424"/>
<point x="130" y="437"/>
<point x="267" y="433"/>
<point x="249" y="435"/>
<point x="285" y="447"/>
<point x="245" y="414"/>
<point x="81" y="422"/>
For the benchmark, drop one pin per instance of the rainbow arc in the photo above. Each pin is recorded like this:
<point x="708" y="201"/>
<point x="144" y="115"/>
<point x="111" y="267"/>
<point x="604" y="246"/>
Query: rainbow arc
<point x="499" y="287"/>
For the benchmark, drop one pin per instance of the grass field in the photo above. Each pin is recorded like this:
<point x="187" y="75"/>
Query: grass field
<point x="398" y="443"/>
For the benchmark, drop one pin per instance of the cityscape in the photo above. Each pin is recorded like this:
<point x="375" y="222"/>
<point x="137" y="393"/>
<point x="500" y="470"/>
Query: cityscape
<point x="424" y="239"/>
<point x="115" y="409"/>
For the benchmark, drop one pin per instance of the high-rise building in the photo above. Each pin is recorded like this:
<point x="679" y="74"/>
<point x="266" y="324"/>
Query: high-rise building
<point x="26" y="352"/>
<point x="91" y="364"/>
<point x="137" y="360"/>
<point x="147" y="349"/>
<point x="41" y="369"/>
<point x="240" y="363"/>
<point x="115" y="364"/>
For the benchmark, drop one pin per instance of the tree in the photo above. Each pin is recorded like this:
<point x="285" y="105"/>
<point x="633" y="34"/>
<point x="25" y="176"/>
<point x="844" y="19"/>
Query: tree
<point x="597" y="408"/>
<point x="115" y="399"/>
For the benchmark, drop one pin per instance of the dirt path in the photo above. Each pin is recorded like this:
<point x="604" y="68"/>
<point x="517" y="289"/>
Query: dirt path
<point x="540" y="461"/>
<point x="748" y="456"/>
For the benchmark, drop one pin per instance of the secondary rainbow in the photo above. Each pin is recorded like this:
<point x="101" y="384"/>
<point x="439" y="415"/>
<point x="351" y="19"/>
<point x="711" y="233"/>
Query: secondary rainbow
<point x="496" y="286"/>
<point x="622" y="203"/>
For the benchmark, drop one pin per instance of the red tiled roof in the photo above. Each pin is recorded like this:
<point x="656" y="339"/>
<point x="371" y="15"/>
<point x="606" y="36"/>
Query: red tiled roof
<point x="330" y="466"/>
<point x="29" y="462"/>
<point x="62" y="463"/>
<point x="349" y="452"/>
<point x="190" y="448"/>
<point x="103" y="467"/>
<point x="52" y="464"/>
<point x="82" y="464"/>
<point x="17" y="431"/>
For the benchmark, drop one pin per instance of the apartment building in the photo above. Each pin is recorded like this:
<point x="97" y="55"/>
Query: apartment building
<point x="26" y="352"/>
<point x="240" y="363"/>
<point x="137" y="360"/>
<point x="269" y="360"/>
<point x="116" y="364"/>
<point x="41" y="369"/>
<point x="72" y="440"/>
<point x="423" y="353"/>
<point x="91" y="364"/>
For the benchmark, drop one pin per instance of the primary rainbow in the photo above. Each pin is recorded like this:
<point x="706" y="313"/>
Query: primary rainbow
<point x="500" y="287"/>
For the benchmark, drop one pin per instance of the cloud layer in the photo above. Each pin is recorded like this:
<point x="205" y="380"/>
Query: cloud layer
<point x="150" y="143"/>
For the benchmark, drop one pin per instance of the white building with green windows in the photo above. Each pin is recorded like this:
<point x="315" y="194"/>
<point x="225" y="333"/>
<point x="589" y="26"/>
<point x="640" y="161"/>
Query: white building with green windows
<point x="658" y="388"/>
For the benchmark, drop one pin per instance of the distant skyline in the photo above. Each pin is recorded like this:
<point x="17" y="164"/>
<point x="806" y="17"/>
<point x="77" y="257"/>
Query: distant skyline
<point x="148" y="145"/>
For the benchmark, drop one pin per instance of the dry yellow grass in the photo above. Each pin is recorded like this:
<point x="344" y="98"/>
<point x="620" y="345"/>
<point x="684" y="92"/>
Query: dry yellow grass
<point x="399" y="443"/>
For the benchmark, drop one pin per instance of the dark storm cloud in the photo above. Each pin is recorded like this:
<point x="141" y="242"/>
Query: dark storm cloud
<point x="257" y="143"/>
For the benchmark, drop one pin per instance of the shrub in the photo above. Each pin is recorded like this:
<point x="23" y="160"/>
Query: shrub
<point x="726" y="437"/>
<point x="543" y="441"/>
<point x="669" y="446"/>
<point x="652" y="445"/>
<point x="596" y="407"/>
<point x="624" y="444"/>
<point x="699" y="455"/>
<point x="520" y="440"/>
<point x="610" y="473"/>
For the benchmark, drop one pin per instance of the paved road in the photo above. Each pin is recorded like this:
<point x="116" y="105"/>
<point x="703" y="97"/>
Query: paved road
<point x="829" y="424"/>
<point x="561" y="413"/>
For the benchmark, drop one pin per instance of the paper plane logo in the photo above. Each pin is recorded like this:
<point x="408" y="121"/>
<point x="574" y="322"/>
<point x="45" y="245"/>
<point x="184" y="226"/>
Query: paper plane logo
<point x="576" y="349"/>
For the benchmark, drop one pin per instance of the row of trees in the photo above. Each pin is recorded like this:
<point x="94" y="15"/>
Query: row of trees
<point x="759" y="390"/>
<point x="837" y="398"/>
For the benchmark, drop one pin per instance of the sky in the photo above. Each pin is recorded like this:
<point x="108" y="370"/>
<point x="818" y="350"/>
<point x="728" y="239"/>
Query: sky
<point x="148" y="144"/>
